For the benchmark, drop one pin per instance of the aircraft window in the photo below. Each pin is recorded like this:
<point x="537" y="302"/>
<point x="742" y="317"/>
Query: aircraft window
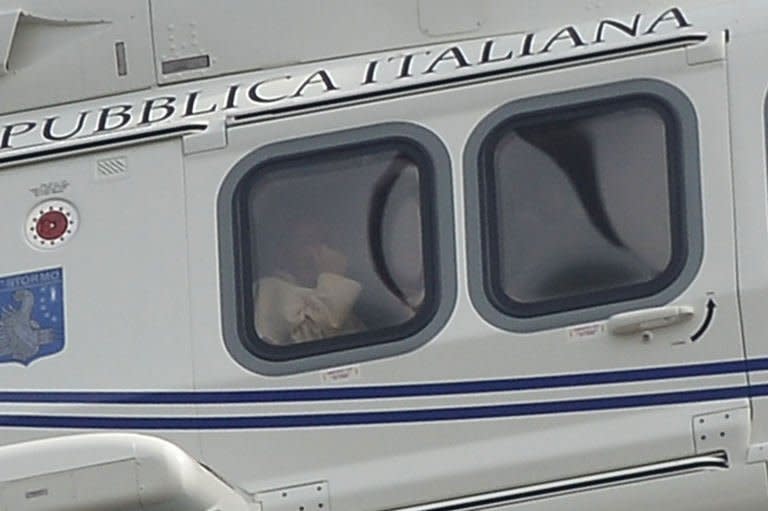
<point x="581" y="206"/>
<point x="335" y="249"/>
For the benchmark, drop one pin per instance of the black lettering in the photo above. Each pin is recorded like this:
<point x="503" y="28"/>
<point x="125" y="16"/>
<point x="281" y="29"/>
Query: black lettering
<point x="453" y="54"/>
<point x="11" y="130"/>
<point x="48" y="133"/>
<point x="527" y="49"/>
<point x="674" y="14"/>
<point x="486" y="56"/>
<point x="189" y="109"/>
<point x="317" y="78"/>
<point x="406" y="64"/>
<point x="166" y="107"/>
<point x="405" y="67"/>
<point x="566" y="34"/>
<point x="123" y="113"/>
<point x="630" y="30"/>
<point x="256" y="97"/>
<point x="232" y="97"/>
<point x="370" y="72"/>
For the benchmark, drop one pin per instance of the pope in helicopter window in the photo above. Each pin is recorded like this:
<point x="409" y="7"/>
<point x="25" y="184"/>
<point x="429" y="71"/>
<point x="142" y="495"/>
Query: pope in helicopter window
<point x="337" y="248"/>
<point x="308" y="295"/>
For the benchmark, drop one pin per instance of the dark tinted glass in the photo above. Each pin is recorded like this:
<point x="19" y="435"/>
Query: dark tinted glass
<point x="335" y="249"/>
<point x="580" y="207"/>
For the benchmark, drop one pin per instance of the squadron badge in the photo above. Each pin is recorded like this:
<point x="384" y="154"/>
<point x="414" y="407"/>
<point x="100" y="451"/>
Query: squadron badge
<point x="31" y="316"/>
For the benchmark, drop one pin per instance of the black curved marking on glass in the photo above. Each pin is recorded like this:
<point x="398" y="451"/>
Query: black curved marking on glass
<point x="570" y="147"/>
<point x="391" y="391"/>
<point x="384" y="417"/>
<point x="382" y="191"/>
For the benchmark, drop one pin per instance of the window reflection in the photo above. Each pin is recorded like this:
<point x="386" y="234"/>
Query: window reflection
<point x="581" y="204"/>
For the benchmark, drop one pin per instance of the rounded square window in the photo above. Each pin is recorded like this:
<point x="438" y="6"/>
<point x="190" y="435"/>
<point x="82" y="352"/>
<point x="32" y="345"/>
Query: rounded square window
<point x="583" y="205"/>
<point x="335" y="249"/>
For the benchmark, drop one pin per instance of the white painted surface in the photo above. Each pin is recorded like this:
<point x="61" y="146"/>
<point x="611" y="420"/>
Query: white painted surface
<point x="65" y="51"/>
<point x="126" y="302"/>
<point x="142" y="285"/>
<point x="109" y="471"/>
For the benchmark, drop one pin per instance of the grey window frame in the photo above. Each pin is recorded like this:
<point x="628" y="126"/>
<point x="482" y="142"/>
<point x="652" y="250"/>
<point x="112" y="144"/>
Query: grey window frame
<point x="239" y="337"/>
<point x="683" y="157"/>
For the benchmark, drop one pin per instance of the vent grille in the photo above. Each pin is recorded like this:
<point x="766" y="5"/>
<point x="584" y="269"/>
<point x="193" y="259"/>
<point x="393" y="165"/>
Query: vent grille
<point x="112" y="168"/>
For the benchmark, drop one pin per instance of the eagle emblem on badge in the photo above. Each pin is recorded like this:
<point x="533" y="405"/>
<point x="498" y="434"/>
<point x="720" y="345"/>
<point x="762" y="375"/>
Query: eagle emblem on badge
<point x="31" y="322"/>
<point x="20" y="335"/>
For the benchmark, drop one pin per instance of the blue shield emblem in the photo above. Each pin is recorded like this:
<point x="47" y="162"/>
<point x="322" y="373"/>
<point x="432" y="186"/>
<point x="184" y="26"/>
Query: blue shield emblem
<point x="31" y="315"/>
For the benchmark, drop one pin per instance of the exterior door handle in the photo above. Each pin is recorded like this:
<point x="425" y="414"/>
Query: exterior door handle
<point x="634" y="322"/>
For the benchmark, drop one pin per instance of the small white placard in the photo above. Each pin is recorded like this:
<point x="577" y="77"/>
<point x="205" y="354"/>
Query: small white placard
<point x="341" y="374"/>
<point x="583" y="332"/>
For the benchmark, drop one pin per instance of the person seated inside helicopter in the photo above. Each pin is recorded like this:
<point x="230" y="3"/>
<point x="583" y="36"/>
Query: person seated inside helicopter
<point x="307" y="297"/>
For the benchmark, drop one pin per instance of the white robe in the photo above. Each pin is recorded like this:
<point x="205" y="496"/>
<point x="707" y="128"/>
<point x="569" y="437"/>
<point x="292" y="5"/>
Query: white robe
<point x="287" y="313"/>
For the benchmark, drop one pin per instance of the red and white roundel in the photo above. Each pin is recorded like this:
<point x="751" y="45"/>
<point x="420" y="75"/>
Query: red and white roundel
<point x="51" y="223"/>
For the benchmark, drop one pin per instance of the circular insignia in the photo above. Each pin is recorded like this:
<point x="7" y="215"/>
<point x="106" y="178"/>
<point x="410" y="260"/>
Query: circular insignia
<point x="51" y="223"/>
